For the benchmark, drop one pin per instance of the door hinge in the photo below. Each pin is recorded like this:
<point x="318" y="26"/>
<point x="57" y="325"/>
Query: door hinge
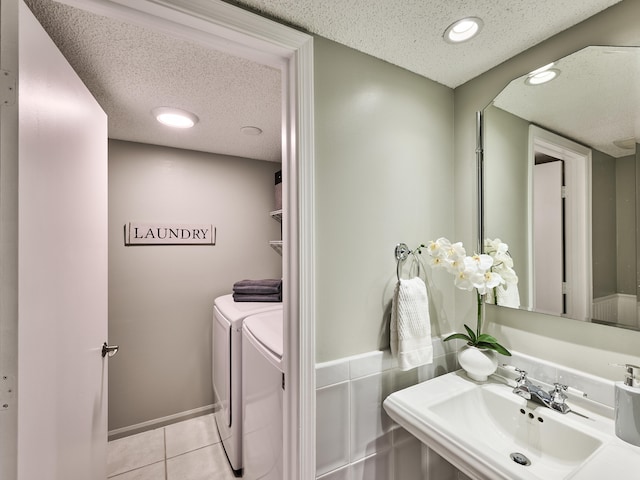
<point x="7" y="88"/>
<point x="283" y="380"/>
<point x="7" y="392"/>
<point x="563" y="191"/>
<point x="564" y="288"/>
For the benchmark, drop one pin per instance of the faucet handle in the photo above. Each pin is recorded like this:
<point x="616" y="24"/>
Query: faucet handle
<point x="522" y="375"/>
<point x="523" y="386"/>
<point x="558" y="395"/>
<point x="558" y="398"/>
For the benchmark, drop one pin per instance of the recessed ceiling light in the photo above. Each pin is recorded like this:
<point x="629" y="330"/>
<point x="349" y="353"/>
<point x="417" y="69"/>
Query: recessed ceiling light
<point x="463" y="30"/>
<point x="248" y="130"/>
<point x="175" y="117"/>
<point x="542" y="75"/>
<point x="627" y="143"/>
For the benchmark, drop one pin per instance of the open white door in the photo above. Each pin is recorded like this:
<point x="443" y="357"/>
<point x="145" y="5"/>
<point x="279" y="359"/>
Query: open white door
<point x="62" y="299"/>
<point x="548" y="235"/>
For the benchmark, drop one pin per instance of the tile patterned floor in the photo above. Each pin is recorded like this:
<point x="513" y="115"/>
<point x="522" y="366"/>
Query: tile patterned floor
<point x="189" y="450"/>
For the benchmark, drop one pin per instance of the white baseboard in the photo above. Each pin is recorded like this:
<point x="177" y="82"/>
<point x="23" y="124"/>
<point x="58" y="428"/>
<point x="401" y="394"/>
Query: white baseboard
<point x="159" y="422"/>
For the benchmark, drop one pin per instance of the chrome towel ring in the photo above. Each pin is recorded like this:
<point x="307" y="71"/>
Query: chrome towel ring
<point x="402" y="253"/>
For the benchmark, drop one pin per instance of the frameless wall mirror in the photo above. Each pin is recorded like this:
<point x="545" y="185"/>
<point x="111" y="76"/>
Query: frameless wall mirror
<point x="561" y="184"/>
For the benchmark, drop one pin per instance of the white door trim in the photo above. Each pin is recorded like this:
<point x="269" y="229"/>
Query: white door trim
<point x="239" y="32"/>
<point x="578" y="206"/>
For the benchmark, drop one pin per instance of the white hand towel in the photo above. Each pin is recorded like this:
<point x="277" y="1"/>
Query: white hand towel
<point x="410" y="324"/>
<point x="507" y="297"/>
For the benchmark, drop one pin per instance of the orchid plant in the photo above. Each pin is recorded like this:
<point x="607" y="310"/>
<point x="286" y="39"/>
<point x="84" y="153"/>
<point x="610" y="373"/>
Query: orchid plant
<point x="485" y="272"/>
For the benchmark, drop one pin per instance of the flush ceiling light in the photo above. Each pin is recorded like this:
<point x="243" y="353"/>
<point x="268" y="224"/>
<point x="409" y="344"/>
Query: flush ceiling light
<point x="249" y="130"/>
<point x="463" y="30"/>
<point x="175" y="117"/>
<point x="627" y="143"/>
<point x="542" y="75"/>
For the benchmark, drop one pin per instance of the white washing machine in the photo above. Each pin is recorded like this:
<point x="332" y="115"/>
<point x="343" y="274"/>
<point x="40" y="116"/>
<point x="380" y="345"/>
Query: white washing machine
<point x="262" y="396"/>
<point x="228" y="317"/>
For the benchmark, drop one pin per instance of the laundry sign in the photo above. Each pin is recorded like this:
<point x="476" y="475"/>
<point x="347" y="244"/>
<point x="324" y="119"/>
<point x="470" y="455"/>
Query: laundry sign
<point x="169" y="234"/>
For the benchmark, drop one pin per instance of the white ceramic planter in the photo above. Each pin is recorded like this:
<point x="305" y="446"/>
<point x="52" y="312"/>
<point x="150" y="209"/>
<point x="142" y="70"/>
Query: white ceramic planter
<point x="479" y="363"/>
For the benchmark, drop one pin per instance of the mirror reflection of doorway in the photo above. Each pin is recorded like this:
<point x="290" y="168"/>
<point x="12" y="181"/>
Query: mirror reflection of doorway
<point x="561" y="282"/>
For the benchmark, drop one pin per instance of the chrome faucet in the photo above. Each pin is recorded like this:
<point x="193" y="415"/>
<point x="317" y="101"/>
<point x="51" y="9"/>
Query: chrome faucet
<point x="553" y="399"/>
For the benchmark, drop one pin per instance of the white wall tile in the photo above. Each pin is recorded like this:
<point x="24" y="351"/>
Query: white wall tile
<point x="442" y="348"/>
<point x="535" y="368"/>
<point x="343" y="473"/>
<point x="371" y="362"/>
<point x="441" y="365"/>
<point x="369" y="421"/>
<point x="332" y="427"/>
<point x="374" y="467"/>
<point x="400" y="435"/>
<point x="438" y="468"/>
<point x="329" y="373"/>
<point x="597" y="389"/>
<point x="407" y="456"/>
<point x="356" y="440"/>
<point x="405" y="379"/>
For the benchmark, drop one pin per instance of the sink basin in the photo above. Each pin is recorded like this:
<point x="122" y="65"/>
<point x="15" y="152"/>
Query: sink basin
<point x="492" y="415"/>
<point x="488" y="432"/>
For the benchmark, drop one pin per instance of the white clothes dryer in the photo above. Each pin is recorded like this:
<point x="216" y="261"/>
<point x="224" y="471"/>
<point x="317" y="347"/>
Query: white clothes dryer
<point x="228" y="318"/>
<point x="262" y="400"/>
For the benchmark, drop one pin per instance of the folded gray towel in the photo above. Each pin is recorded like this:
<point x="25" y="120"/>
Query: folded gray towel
<point x="273" y="297"/>
<point x="259" y="287"/>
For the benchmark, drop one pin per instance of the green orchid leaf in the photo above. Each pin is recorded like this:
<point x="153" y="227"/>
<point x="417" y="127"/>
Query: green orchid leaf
<point x="495" y="346"/>
<point x="460" y="336"/>
<point x="500" y="349"/>
<point x="487" y="338"/>
<point x="472" y="336"/>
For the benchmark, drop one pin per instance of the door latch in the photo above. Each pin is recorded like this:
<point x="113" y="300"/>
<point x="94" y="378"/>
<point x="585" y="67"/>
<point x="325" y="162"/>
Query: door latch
<point x="110" y="350"/>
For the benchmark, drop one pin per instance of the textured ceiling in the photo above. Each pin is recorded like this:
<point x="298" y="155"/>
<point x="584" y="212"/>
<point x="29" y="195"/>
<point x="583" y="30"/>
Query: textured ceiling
<point x="130" y="70"/>
<point x="408" y="33"/>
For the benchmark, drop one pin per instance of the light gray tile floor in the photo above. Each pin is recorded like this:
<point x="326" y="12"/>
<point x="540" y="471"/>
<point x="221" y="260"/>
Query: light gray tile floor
<point x="189" y="450"/>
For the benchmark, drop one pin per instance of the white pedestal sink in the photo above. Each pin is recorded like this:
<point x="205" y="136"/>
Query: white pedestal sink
<point x="490" y="433"/>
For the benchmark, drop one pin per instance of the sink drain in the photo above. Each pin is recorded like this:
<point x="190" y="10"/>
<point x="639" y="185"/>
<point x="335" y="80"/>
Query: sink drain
<point x="520" y="459"/>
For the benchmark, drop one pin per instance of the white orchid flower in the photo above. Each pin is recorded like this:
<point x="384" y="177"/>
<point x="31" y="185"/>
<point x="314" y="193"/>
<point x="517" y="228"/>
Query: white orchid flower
<point x="482" y="261"/>
<point x="438" y="252"/>
<point x="463" y="279"/>
<point x="486" y="281"/>
<point x="484" y="272"/>
<point x="496" y="245"/>
<point x="502" y="261"/>
<point x="481" y="271"/>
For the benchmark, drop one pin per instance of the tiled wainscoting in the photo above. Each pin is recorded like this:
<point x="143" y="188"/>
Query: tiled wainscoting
<point x="355" y="439"/>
